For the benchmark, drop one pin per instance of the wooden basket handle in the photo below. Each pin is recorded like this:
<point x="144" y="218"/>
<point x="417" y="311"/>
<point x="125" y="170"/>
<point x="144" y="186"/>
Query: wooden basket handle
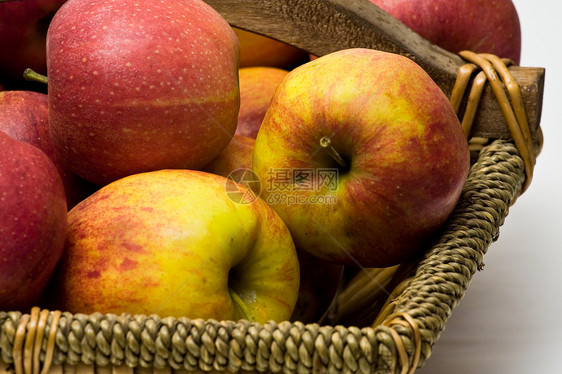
<point x="323" y="26"/>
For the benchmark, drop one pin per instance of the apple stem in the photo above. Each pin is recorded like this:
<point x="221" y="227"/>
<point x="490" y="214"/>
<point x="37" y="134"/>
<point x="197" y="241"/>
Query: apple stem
<point x="243" y="307"/>
<point x="33" y="76"/>
<point x="326" y="144"/>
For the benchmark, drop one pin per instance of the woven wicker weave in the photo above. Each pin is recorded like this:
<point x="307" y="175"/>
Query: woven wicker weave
<point x="100" y="343"/>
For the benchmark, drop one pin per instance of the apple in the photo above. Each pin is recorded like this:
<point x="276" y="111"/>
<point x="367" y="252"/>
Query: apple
<point x="362" y="156"/>
<point x="236" y="156"/>
<point x="32" y="222"/>
<point x="25" y="117"/>
<point x="23" y="31"/>
<point x="140" y="86"/>
<point x="257" y="85"/>
<point x="480" y="26"/>
<point x="174" y="243"/>
<point x="259" y="50"/>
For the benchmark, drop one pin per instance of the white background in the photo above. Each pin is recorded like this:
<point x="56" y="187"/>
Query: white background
<point x="510" y="320"/>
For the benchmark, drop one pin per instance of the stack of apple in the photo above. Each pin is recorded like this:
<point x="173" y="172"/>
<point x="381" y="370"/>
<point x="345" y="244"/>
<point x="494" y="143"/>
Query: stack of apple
<point x="116" y="187"/>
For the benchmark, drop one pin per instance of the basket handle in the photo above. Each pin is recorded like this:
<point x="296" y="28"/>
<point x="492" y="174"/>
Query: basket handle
<point x="323" y="26"/>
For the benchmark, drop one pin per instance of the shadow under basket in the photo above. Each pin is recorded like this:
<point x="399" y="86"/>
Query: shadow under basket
<point x="413" y="318"/>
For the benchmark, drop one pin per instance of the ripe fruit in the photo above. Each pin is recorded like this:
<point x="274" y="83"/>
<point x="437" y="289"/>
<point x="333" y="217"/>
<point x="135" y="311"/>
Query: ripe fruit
<point x="173" y="243"/>
<point x="139" y="86"/>
<point x="257" y="86"/>
<point x="480" y="26"/>
<point x="25" y="117"/>
<point x="362" y="156"/>
<point x="32" y="222"/>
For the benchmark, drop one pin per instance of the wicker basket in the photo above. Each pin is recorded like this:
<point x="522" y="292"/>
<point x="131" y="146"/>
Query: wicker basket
<point x="396" y="334"/>
<point x="418" y="314"/>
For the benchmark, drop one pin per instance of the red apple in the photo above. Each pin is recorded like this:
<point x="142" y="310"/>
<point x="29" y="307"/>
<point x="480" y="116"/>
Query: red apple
<point x="138" y="86"/>
<point x="23" y="31"/>
<point x="173" y="243"/>
<point x="25" y="117"/>
<point x="362" y="156"/>
<point x="257" y="85"/>
<point x="259" y="50"/>
<point x="32" y="222"/>
<point x="482" y="26"/>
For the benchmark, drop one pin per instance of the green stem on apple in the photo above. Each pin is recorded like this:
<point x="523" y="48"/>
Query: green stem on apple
<point x="243" y="307"/>
<point x="326" y="144"/>
<point x="33" y="76"/>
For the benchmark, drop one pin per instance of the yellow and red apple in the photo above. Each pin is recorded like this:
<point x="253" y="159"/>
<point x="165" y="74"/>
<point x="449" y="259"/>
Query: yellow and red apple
<point x="362" y="156"/>
<point x="174" y="243"/>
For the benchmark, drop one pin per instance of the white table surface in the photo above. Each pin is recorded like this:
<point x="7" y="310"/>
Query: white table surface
<point x="510" y="320"/>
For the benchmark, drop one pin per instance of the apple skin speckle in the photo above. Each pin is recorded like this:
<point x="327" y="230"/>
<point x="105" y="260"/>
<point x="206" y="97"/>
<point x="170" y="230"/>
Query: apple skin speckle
<point x="168" y="68"/>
